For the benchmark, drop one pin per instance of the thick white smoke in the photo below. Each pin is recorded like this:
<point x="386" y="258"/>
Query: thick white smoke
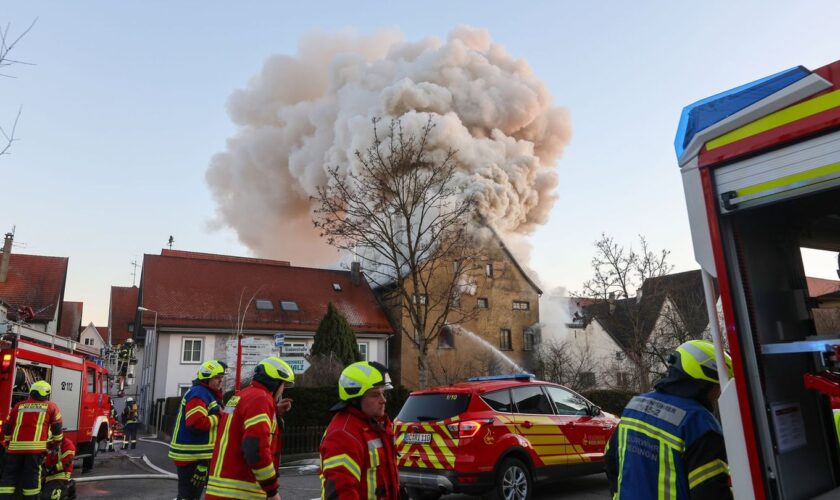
<point x="303" y="114"/>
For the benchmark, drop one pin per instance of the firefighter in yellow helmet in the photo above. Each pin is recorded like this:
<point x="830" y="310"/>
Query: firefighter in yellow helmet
<point x="357" y="452"/>
<point x="247" y="452"/>
<point x="33" y="426"/>
<point x="669" y="443"/>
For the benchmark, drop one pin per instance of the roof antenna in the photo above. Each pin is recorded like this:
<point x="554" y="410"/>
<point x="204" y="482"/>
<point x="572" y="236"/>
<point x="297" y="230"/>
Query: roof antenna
<point x="134" y="272"/>
<point x="171" y="241"/>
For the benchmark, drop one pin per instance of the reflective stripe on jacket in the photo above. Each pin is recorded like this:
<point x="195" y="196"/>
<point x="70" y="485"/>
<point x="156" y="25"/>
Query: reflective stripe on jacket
<point x="661" y="451"/>
<point x="245" y="457"/>
<point x="196" y="425"/>
<point x="30" y="424"/>
<point x="358" y="459"/>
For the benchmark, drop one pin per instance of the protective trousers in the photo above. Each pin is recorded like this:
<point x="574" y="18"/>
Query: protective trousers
<point x="192" y="478"/>
<point x="22" y="472"/>
<point x="130" y="435"/>
<point x="59" y="490"/>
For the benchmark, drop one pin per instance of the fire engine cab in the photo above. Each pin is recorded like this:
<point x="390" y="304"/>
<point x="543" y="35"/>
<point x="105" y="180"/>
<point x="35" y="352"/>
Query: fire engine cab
<point x="79" y="382"/>
<point x="761" y="173"/>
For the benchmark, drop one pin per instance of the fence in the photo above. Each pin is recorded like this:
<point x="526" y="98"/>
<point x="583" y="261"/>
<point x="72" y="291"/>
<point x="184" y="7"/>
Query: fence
<point x="302" y="439"/>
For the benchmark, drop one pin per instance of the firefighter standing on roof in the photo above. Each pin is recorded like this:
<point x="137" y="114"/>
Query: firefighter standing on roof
<point x="28" y="435"/>
<point x="246" y="455"/>
<point x="58" y="466"/>
<point x="195" y="429"/>
<point x="668" y="443"/>
<point x="358" y="459"/>
<point x="130" y="420"/>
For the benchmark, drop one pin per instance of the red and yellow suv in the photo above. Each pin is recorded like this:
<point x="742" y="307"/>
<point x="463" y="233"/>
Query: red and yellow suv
<point x="497" y="434"/>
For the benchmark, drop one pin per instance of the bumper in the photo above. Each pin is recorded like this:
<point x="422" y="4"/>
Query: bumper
<point x="445" y="481"/>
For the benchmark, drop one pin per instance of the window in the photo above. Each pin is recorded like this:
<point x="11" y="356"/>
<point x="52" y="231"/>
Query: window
<point x="289" y="305"/>
<point x="264" y="305"/>
<point x="619" y="355"/>
<point x="499" y="400"/>
<point x="521" y="305"/>
<point x="191" y="351"/>
<point x="446" y="338"/>
<point x="88" y="341"/>
<point x="336" y="287"/>
<point x="183" y="388"/>
<point x="528" y="339"/>
<point x="456" y="266"/>
<point x="131" y="327"/>
<point x="483" y="303"/>
<point x="456" y="299"/>
<point x="566" y="403"/>
<point x="504" y="339"/>
<point x="91" y="381"/>
<point x="363" y="350"/>
<point x="488" y="270"/>
<point x="622" y="379"/>
<point x="587" y="379"/>
<point x="433" y="407"/>
<point x="531" y="399"/>
<point x="421" y="297"/>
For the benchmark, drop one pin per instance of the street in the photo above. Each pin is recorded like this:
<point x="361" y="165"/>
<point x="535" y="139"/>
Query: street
<point x="126" y="475"/>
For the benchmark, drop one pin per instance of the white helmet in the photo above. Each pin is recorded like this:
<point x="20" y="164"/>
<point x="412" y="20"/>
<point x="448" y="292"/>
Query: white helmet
<point x="129" y="400"/>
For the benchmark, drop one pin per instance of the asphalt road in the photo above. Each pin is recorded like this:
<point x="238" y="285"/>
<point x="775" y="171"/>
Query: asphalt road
<point x="125" y="475"/>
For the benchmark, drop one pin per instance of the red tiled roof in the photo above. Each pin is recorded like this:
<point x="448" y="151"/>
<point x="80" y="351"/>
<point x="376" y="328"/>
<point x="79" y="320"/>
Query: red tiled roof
<point x="71" y="319"/>
<point x="123" y="307"/>
<point x="821" y="286"/>
<point x="205" y="292"/>
<point x="103" y="332"/>
<point x="36" y="281"/>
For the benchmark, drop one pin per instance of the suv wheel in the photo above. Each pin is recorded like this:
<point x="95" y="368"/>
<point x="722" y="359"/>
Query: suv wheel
<point x="418" y="494"/>
<point x="514" y="481"/>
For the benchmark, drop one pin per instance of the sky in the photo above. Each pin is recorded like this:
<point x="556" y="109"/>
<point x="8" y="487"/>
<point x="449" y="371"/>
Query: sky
<point x="124" y="105"/>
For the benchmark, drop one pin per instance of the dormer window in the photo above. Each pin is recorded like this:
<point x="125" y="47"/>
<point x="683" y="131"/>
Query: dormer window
<point x="264" y="305"/>
<point x="289" y="305"/>
<point x="336" y="287"/>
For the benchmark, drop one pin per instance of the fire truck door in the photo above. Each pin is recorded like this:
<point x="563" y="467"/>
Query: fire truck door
<point x="66" y="390"/>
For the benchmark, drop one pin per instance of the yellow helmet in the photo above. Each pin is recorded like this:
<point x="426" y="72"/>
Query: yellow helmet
<point x="41" y="388"/>
<point x="276" y="370"/>
<point x="360" y="377"/>
<point x="211" y="369"/>
<point x="696" y="358"/>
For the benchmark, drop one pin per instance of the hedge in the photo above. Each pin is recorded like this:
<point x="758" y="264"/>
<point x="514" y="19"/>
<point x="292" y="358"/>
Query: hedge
<point x="610" y="400"/>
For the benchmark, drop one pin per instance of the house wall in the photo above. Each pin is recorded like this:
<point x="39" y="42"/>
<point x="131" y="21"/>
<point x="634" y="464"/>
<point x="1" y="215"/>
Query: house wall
<point x="601" y="355"/>
<point x="469" y="357"/>
<point x="93" y="334"/>
<point x="171" y="371"/>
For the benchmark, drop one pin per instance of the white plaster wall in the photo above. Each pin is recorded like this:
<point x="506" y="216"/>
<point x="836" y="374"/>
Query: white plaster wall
<point x="170" y="370"/>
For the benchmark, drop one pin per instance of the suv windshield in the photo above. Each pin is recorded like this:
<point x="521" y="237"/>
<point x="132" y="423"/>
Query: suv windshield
<point x="433" y="407"/>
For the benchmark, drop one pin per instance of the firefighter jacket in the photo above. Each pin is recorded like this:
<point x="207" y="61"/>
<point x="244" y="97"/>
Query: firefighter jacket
<point x="245" y="457"/>
<point x="59" y="464"/>
<point x="358" y="459"/>
<point x="29" y="426"/>
<point x="130" y="413"/>
<point x="667" y="447"/>
<point x="196" y="425"/>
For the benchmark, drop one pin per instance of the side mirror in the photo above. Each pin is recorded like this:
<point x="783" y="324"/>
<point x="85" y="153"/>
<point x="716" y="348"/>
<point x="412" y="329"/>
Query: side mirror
<point x="594" y="410"/>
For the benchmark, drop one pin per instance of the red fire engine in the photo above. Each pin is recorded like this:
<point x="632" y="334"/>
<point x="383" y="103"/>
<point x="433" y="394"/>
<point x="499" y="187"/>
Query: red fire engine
<point x="79" y="382"/>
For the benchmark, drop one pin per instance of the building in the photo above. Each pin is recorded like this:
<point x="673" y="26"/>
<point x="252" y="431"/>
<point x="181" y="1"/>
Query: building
<point x="498" y="334"/>
<point x="71" y="319"/>
<point x="91" y="336"/>
<point x="194" y="304"/>
<point x="32" y="287"/>
<point x="625" y="343"/>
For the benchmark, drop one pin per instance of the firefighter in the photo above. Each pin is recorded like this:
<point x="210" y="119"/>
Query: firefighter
<point x="57" y="469"/>
<point x="246" y="455"/>
<point x="27" y="432"/>
<point x="130" y="422"/>
<point x="358" y="459"/>
<point x="669" y="444"/>
<point x="195" y="429"/>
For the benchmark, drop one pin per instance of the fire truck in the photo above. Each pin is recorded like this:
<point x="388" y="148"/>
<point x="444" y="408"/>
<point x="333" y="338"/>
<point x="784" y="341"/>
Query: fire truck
<point x="760" y="166"/>
<point x="78" y="378"/>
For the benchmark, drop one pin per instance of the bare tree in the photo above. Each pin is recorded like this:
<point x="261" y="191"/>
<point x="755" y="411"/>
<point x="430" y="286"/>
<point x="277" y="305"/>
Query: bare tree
<point x="7" y="45"/>
<point x="402" y="213"/>
<point x="566" y="362"/>
<point x="619" y="274"/>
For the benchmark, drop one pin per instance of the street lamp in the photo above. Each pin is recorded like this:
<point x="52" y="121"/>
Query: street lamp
<point x="150" y="343"/>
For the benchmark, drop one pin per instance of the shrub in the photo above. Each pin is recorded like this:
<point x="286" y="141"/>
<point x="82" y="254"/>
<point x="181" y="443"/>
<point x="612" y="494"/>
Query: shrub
<point x="610" y="400"/>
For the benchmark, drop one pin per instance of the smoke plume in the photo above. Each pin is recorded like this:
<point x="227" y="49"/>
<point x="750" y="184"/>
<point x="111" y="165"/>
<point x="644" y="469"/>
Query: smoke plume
<point x="306" y="113"/>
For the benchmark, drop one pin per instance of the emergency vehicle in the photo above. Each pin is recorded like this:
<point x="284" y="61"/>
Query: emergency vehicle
<point x="497" y="433"/>
<point x="78" y="379"/>
<point x="761" y="173"/>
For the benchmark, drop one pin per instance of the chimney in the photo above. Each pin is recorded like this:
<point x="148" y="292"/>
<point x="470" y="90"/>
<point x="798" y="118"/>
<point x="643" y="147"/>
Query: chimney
<point x="611" y="301"/>
<point x="7" y="254"/>
<point x="638" y="295"/>
<point x="355" y="273"/>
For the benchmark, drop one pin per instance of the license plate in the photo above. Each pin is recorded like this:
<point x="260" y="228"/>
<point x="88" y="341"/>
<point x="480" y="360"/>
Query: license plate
<point x="418" y="438"/>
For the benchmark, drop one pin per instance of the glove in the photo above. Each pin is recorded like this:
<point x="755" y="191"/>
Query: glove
<point x="199" y="477"/>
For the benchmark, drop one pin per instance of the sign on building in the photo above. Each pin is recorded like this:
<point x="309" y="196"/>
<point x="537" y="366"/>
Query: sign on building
<point x="254" y="350"/>
<point x="279" y="340"/>
<point x="298" y="364"/>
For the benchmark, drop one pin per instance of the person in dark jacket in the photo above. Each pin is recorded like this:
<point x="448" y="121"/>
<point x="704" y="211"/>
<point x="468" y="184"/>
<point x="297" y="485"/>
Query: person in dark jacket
<point x="669" y="443"/>
<point x="196" y="428"/>
<point x="131" y="421"/>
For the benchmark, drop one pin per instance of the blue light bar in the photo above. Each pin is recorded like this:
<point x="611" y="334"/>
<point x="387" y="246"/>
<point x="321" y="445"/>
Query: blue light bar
<point x="514" y="376"/>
